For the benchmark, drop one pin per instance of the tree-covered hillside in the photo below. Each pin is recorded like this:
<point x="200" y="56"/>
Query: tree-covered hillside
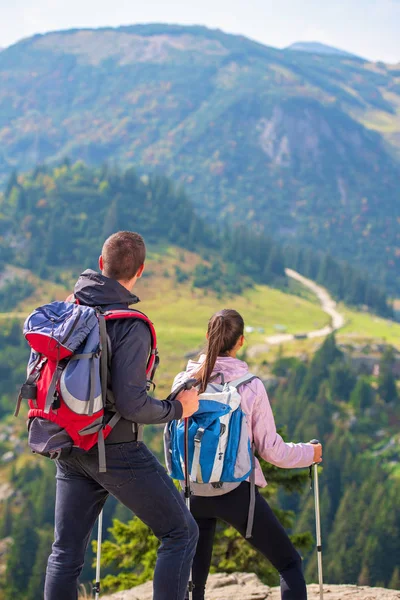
<point x="303" y="145"/>
<point x="52" y="223"/>
<point x="357" y="417"/>
<point x="55" y="218"/>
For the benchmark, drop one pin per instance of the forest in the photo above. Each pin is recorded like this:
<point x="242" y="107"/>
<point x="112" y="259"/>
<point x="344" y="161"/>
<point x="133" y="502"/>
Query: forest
<point x="52" y="222"/>
<point x="53" y="218"/>
<point x="355" y="416"/>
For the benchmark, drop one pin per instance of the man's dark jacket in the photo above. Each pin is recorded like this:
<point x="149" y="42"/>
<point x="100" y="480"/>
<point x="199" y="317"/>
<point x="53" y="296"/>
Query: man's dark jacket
<point x="130" y="347"/>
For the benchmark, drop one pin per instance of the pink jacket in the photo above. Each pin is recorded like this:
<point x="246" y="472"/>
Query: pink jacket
<point x="269" y="444"/>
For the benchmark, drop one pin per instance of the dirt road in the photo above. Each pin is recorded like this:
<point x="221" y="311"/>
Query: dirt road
<point x="328" y="305"/>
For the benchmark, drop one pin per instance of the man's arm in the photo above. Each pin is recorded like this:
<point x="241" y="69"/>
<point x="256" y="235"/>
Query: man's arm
<point x="131" y="347"/>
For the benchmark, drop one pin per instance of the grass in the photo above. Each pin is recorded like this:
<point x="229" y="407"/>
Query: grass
<point x="367" y="326"/>
<point x="181" y="313"/>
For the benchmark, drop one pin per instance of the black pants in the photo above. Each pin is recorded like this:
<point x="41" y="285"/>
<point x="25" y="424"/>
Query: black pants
<point x="269" y="537"/>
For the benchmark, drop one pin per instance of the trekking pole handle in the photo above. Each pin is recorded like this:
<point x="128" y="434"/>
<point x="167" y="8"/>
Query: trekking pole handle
<point x="186" y="385"/>
<point x="314" y="442"/>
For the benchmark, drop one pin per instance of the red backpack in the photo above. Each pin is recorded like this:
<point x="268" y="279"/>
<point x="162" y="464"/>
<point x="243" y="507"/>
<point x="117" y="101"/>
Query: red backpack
<point x="66" y="387"/>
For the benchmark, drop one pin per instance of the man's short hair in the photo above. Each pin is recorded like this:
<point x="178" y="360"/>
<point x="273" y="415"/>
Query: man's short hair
<point x="123" y="254"/>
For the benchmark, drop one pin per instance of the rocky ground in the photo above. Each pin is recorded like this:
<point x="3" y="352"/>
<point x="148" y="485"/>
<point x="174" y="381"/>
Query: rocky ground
<point x="246" y="586"/>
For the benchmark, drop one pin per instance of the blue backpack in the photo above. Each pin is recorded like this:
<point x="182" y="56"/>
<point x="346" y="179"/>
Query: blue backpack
<point x="220" y="449"/>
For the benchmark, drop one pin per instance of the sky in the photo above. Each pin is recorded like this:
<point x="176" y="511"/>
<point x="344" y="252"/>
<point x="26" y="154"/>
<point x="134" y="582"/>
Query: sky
<point x="368" y="28"/>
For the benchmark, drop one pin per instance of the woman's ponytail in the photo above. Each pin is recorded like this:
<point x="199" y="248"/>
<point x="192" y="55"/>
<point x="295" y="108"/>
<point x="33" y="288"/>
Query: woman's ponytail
<point x="215" y="335"/>
<point x="224" y="330"/>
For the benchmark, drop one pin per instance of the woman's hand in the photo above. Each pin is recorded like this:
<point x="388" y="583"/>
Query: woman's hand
<point x="317" y="453"/>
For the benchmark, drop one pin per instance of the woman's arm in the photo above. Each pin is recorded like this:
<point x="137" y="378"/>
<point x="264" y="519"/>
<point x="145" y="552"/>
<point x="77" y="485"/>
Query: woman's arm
<point x="269" y="443"/>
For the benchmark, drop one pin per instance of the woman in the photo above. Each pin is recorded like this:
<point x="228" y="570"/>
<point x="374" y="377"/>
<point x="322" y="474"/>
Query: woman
<point x="224" y="339"/>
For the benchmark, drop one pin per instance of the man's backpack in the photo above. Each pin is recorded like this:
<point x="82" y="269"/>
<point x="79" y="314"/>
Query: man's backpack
<point x="220" y="449"/>
<point x="68" y="375"/>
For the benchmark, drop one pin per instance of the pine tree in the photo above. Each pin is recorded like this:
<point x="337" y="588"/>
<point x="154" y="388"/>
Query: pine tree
<point x="394" y="583"/>
<point x="275" y="266"/>
<point x="319" y="367"/>
<point x="364" y="577"/>
<point x="22" y="555"/>
<point x="386" y="381"/>
<point x="7" y="519"/>
<point x="132" y="551"/>
<point x="11" y="183"/>
<point x="111" y="219"/>
<point x="363" y="394"/>
<point x="387" y="388"/>
<point x="342" y="380"/>
<point x="36" y="580"/>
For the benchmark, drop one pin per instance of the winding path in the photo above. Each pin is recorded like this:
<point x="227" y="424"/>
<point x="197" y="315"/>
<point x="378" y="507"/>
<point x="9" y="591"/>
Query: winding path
<point x="328" y="305"/>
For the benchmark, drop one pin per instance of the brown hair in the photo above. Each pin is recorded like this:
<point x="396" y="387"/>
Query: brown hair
<point x="123" y="254"/>
<point x="224" y="330"/>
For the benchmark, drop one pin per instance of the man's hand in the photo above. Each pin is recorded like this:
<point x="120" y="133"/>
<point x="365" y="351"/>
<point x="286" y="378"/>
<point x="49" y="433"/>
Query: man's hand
<point x="190" y="402"/>
<point x="317" y="453"/>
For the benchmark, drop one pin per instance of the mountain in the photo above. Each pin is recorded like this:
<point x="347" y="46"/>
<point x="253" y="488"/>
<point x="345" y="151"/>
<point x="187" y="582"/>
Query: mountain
<point x="319" y="48"/>
<point x="305" y="146"/>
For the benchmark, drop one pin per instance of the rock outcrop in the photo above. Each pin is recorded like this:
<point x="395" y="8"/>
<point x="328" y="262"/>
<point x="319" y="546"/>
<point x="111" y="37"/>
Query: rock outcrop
<point x="247" y="586"/>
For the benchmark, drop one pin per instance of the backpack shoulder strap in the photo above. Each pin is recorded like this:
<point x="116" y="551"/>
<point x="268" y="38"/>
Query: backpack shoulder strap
<point x="250" y="519"/>
<point x="246" y="378"/>
<point x="154" y="360"/>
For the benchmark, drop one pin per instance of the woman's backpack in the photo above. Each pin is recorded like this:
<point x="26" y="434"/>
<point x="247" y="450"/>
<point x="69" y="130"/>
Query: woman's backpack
<point x="220" y="449"/>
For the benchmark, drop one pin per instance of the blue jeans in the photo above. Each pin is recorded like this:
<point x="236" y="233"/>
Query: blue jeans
<point x="136" y="478"/>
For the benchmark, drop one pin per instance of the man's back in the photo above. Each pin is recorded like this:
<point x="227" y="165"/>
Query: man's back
<point x="133" y="476"/>
<point x="130" y="344"/>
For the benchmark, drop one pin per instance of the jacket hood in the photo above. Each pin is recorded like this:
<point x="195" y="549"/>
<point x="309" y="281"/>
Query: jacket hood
<point x="94" y="289"/>
<point x="232" y="368"/>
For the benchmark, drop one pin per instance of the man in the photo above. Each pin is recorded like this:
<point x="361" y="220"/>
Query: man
<point x="133" y="476"/>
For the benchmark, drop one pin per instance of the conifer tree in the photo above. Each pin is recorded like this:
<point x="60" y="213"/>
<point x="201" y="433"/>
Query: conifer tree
<point x="7" y="519"/>
<point x="394" y="583"/>
<point x="319" y="367"/>
<point x="362" y="396"/>
<point x="387" y="388"/>
<point x="11" y="183"/>
<point x="36" y="581"/>
<point x="342" y="380"/>
<point x="22" y="555"/>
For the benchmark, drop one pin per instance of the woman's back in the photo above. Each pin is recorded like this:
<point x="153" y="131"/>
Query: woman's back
<point x="261" y="424"/>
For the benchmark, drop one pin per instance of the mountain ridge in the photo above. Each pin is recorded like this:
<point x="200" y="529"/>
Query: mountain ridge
<point x="320" y="48"/>
<point x="301" y="144"/>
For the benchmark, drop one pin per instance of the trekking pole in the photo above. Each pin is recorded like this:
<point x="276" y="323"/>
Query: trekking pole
<point x="318" y="525"/>
<point x="99" y="535"/>
<point x="188" y="494"/>
<point x="187" y="385"/>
